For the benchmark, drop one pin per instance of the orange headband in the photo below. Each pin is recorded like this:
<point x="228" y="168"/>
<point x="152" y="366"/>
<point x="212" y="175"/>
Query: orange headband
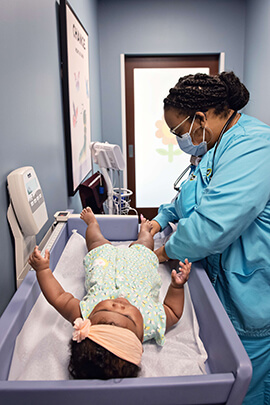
<point x="120" y="341"/>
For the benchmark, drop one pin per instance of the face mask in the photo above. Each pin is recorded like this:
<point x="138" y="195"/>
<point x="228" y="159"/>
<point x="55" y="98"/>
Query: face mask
<point x="186" y="145"/>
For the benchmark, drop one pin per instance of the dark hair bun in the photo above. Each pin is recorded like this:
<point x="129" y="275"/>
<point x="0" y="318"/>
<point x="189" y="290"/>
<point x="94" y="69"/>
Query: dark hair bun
<point x="238" y="95"/>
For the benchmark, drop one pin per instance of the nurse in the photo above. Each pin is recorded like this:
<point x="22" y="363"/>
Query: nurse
<point x="223" y="209"/>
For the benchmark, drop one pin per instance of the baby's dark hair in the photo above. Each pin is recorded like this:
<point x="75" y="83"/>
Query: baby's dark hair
<point x="89" y="360"/>
<point x="200" y="92"/>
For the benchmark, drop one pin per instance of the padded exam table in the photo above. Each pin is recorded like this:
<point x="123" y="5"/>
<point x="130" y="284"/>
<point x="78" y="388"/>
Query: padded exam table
<point x="228" y="366"/>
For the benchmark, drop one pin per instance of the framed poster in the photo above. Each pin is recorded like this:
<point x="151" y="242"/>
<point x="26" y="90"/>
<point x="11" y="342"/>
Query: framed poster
<point x="75" y="80"/>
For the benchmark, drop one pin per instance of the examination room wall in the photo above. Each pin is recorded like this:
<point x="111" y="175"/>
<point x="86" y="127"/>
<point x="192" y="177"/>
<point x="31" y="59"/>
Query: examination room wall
<point x="31" y="101"/>
<point x="163" y="27"/>
<point x="257" y="58"/>
<point x="31" y="108"/>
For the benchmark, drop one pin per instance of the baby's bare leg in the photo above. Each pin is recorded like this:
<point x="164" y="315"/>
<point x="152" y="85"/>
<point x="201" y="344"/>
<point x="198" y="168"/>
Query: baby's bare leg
<point x="144" y="237"/>
<point x="93" y="235"/>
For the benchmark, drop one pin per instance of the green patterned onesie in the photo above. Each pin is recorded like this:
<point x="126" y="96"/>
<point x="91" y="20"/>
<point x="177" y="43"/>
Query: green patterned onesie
<point x="112" y="272"/>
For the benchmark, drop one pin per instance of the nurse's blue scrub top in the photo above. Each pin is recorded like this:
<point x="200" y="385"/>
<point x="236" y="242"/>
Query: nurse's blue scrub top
<point x="226" y="221"/>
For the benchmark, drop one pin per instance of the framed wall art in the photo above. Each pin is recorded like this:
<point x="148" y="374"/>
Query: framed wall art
<point x="76" y="96"/>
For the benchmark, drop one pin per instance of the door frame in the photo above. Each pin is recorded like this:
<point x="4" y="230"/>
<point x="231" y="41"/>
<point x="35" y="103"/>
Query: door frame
<point x="221" y="68"/>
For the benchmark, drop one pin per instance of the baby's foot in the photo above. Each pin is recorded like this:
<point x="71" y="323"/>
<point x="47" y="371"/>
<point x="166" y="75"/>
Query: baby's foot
<point x="145" y="224"/>
<point x="88" y="216"/>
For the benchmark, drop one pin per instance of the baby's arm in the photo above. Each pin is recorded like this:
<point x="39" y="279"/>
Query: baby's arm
<point x="155" y="227"/>
<point x="174" y="300"/>
<point x="62" y="301"/>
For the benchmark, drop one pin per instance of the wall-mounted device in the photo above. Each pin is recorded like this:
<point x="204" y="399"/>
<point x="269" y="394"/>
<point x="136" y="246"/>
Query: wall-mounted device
<point x="109" y="157"/>
<point x="27" y="200"/>
<point x="26" y="214"/>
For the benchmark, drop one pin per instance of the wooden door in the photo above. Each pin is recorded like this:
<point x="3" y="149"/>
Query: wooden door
<point x="154" y="160"/>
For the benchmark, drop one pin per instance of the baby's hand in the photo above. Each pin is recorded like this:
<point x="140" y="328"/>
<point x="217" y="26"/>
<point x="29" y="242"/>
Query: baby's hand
<point x="179" y="279"/>
<point x="39" y="262"/>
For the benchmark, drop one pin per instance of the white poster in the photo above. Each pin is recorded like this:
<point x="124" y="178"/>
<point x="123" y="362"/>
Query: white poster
<point x="79" y="102"/>
<point x="159" y="160"/>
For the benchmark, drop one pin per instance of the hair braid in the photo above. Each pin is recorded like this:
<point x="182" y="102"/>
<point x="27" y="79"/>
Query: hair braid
<point x="200" y="92"/>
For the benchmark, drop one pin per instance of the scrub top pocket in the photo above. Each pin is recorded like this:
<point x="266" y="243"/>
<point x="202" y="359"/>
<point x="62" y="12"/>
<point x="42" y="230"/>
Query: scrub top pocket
<point x="246" y="311"/>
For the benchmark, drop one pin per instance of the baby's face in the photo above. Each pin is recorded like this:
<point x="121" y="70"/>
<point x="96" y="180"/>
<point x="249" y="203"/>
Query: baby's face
<point x="119" y="312"/>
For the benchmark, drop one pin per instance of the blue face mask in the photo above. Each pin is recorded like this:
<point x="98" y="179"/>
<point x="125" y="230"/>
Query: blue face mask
<point x="186" y="145"/>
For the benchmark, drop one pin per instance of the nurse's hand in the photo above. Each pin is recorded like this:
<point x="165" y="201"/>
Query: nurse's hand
<point x="155" y="227"/>
<point x="161" y="254"/>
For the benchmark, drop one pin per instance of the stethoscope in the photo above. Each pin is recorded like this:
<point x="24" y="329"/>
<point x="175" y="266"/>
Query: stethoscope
<point x="196" y="160"/>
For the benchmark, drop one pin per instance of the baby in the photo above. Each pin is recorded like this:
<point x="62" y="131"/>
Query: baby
<point x="121" y="308"/>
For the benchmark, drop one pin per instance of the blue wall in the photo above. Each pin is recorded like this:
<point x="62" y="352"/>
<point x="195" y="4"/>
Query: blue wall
<point x="158" y="26"/>
<point x="257" y="58"/>
<point x="31" y="101"/>
<point x="31" y="108"/>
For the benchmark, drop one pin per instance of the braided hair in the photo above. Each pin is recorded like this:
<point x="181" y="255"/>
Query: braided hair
<point x="200" y="92"/>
